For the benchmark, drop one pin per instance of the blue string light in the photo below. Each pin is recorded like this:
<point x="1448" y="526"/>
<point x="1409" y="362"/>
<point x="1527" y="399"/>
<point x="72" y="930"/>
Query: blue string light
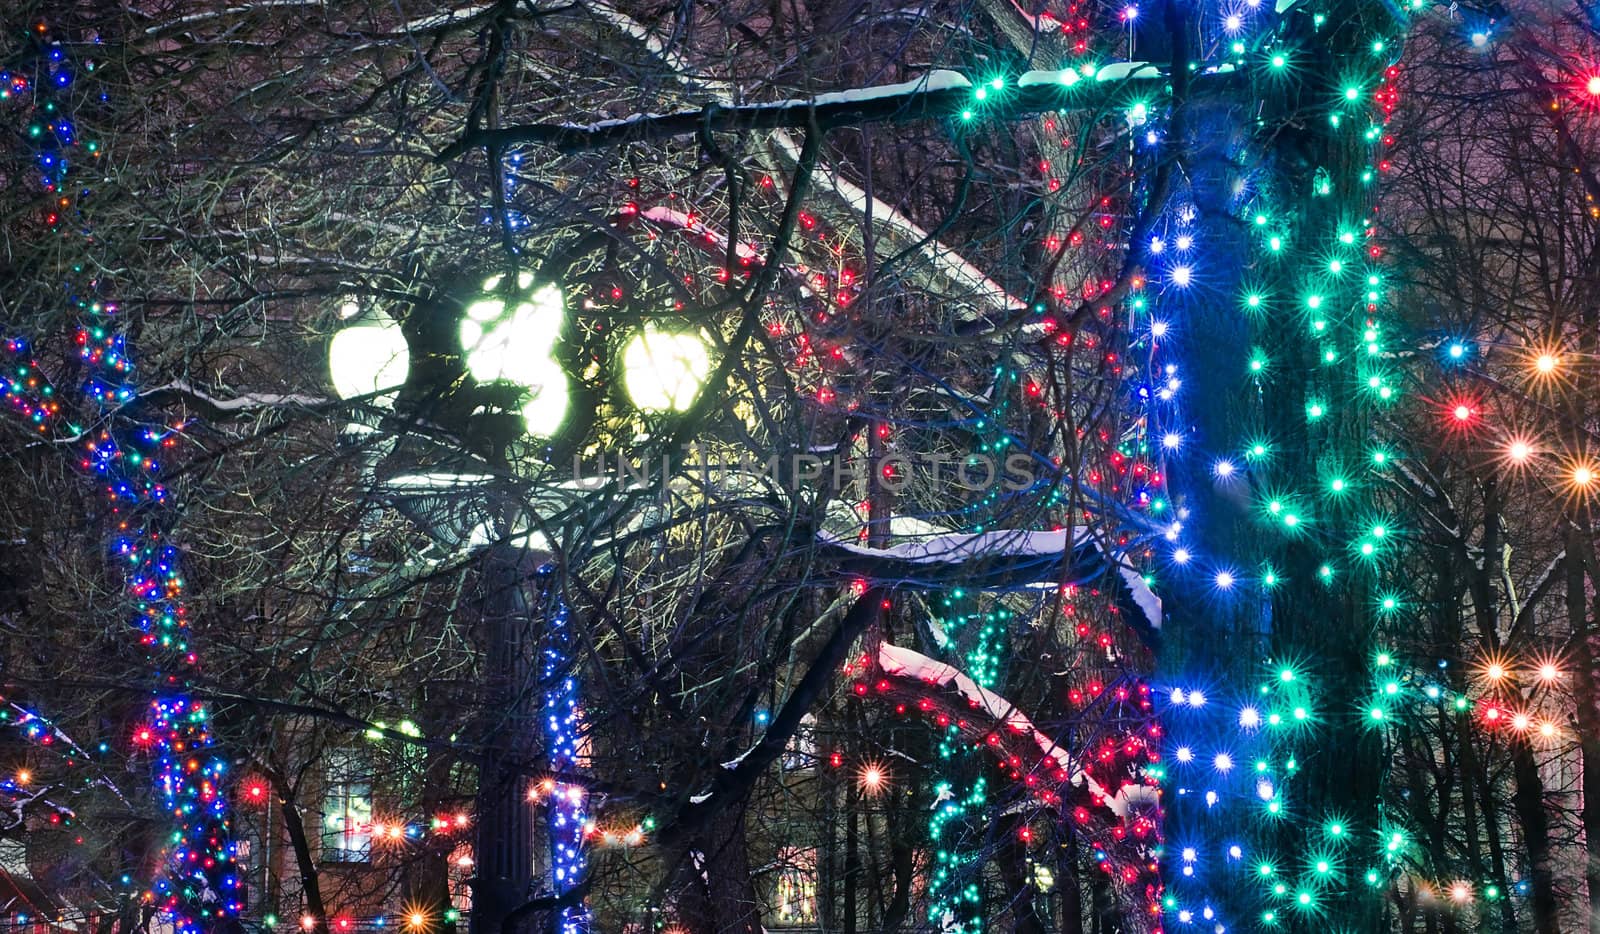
<point x="567" y="815"/>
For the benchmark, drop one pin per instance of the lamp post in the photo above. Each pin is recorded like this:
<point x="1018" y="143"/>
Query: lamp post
<point x="506" y="339"/>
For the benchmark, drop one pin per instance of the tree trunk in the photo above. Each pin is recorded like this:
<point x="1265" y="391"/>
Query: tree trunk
<point x="717" y="894"/>
<point x="310" y="884"/>
<point x="1528" y="799"/>
<point x="1587" y="717"/>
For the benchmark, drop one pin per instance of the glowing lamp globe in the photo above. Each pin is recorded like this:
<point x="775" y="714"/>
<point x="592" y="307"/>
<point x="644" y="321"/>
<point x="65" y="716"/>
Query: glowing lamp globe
<point x="368" y="357"/>
<point x="664" y="371"/>
<point x="511" y="339"/>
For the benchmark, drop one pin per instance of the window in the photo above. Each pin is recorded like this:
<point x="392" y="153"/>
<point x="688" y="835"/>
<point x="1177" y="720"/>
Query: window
<point x="801" y="751"/>
<point x="458" y="872"/>
<point x="794" y="887"/>
<point x="347" y="810"/>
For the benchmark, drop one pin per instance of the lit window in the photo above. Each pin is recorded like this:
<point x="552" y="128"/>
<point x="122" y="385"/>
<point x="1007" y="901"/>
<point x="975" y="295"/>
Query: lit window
<point x="801" y="751"/>
<point x="794" y="887"/>
<point x="459" y="870"/>
<point x="347" y="810"/>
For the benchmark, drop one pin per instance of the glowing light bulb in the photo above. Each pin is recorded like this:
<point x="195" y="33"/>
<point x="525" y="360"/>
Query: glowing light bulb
<point x="1518" y="451"/>
<point x="1223" y="762"/>
<point x="1249" y="718"/>
<point x="1223" y="468"/>
<point x="1184" y="754"/>
<point x="664" y="371"/>
<point x="1197" y="698"/>
<point x="1546" y="363"/>
<point x="1593" y="86"/>
<point x="1582" y="475"/>
<point x="1495" y="671"/>
<point x="1182" y="276"/>
<point x="1224" y="579"/>
<point x="1549" y="672"/>
<point x="873" y="778"/>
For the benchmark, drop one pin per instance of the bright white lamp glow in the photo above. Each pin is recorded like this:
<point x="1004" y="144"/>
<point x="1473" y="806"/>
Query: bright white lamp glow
<point x="516" y="344"/>
<point x="512" y="345"/>
<point x="664" y="371"/>
<point x="368" y="357"/>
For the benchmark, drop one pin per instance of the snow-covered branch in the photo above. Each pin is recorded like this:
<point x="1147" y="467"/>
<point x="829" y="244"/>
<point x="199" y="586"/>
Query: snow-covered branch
<point x="1005" y="559"/>
<point x="229" y="408"/>
<point x="901" y="662"/>
<point x="937" y="95"/>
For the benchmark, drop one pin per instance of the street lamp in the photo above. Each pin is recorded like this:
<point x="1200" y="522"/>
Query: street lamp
<point x="514" y="342"/>
<point x="511" y="339"/>
<point x="508" y="337"/>
<point x="369" y="356"/>
<point x="664" y="371"/>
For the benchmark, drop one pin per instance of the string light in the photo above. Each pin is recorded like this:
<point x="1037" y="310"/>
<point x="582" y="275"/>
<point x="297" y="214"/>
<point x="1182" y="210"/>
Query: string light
<point x="568" y="818"/>
<point x="873" y="779"/>
<point x="199" y="881"/>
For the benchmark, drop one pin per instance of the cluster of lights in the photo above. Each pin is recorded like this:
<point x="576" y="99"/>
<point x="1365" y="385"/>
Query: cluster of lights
<point x="1123" y="849"/>
<point x="1238" y="756"/>
<point x="408" y="919"/>
<point x="201" y="881"/>
<point x="256" y="792"/>
<point x="1502" y="696"/>
<point x="566" y="804"/>
<point x="1124" y="838"/>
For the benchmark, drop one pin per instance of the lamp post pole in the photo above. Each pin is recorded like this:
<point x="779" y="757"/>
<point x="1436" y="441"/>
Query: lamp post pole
<point x="507" y="338"/>
<point x="503" y="873"/>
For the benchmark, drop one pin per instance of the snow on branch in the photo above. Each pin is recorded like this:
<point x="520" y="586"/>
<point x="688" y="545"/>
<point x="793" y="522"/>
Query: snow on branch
<point x="965" y="546"/>
<point x="936" y="95"/>
<point x="226" y="408"/>
<point x="720" y="91"/>
<point x="944" y="261"/>
<point x="1006" y="559"/>
<point x="672" y="218"/>
<point x="902" y="662"/>
<point x="193" y="19"/>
